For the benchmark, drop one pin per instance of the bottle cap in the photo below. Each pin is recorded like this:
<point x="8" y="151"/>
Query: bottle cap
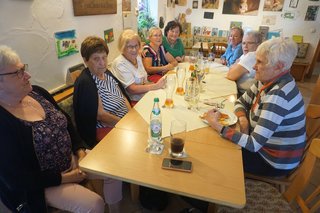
<point x="156" y="99"/>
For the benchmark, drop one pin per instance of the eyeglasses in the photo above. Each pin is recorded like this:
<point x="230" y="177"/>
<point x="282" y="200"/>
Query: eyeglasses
<point x="249" y="42"/>
<point x="19" y="73"/>
<point x="133" y="47"/>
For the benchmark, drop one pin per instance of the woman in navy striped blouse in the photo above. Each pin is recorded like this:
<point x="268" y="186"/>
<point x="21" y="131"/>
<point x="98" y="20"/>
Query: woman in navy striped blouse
<point x="271" y="114"/>
<point x="99" y="102"/>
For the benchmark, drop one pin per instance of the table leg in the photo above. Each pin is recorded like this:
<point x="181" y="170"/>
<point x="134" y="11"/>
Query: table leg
<point x="134" y="188"/>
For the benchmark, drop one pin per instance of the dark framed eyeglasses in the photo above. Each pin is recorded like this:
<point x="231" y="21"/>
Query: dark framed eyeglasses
<point x="19" y="73"/>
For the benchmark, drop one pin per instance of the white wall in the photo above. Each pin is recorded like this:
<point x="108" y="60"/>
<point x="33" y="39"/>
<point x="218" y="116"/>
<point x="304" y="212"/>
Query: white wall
<point x="28" y="26"/>
<point x="310" y="30"/>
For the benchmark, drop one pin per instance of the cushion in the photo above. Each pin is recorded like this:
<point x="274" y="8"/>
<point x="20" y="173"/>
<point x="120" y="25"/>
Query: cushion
<point x="67" y="106"/>
<point x="261" y="197"/>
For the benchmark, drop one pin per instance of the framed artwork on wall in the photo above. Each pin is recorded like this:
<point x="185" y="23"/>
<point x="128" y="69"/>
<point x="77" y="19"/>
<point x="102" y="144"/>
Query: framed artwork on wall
<point x="248" y="7"/>
<point x="311" y="14"/>
<point x="210" y="4"/>
<point x="274" y="5"/>
<point x="208" y="15"/>
<point x="126" y="5"/>
<point x="302" y="50"/>
<point x="94" y="7"/>
<point x="294" y="3"/>
<point x="66" y="44"/>
<point x="195" y="5"/>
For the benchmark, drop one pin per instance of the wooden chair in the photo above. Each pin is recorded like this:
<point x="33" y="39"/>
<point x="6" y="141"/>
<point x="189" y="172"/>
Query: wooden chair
<point x="263" y="197"/>
<point x="220" y="48"/>
<point x="313" y="131"/>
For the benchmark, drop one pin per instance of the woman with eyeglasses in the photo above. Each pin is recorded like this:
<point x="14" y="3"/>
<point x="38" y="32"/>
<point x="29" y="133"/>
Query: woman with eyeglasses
<point x="41" y="149"/>
<point x="242" y="70"/>
<point x="157" y="61"/>
<point x="234" y="49"/>
<point x="129" y="69"/>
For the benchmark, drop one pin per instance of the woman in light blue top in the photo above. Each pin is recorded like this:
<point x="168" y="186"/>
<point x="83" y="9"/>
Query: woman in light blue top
<point x="234" y="49"/>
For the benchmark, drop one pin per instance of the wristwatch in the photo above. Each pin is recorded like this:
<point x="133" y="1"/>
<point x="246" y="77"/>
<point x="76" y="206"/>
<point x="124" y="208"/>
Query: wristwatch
<point x="222" y="129"/>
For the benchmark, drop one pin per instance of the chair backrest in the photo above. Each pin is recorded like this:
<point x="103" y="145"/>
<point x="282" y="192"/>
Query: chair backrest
<point x="315" y="97"/>
<point x="312" y="121"/>
<point x="220" y="48"/>
<point x="313" y="114"/>
<point x="302" y="180"/>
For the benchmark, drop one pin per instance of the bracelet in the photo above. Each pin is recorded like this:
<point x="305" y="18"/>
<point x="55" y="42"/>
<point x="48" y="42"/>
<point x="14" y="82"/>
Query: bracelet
<point x="223" y="127"/>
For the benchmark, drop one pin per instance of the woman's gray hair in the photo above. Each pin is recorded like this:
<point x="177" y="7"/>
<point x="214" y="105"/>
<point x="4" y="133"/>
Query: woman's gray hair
<point x="126" y="36"/>
<point x="8" y="57"/>
<point x="276" y="50"/>
<point x="255" y="34"/>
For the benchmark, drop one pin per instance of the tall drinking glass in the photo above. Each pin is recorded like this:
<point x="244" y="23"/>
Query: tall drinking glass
<point x="170" y="87"/>
<point x="181" y="74"/>
<point x="193" y="57"/>
<point x="192" y="95"/>
<point x="177" y="137"/>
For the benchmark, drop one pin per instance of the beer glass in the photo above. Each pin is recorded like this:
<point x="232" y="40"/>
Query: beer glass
<point x="181" y="74"/>
<point x="170" y="87"/>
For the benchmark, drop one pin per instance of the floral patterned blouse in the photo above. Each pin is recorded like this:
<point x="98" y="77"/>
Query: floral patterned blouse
<point x="52" y="142"/>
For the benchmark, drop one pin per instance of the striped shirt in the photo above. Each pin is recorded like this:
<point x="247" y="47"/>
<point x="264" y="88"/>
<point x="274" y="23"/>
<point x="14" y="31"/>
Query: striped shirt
<point x="277" y="122"/>
<point x="111" y="96"/>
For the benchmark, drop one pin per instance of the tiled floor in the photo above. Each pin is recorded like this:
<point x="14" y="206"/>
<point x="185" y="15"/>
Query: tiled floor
<point x="176" y="204"/>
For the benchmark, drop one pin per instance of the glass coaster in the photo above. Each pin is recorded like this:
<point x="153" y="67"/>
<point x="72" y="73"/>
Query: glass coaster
<point x="183" y="155"/>
<point x="155" y="148"/>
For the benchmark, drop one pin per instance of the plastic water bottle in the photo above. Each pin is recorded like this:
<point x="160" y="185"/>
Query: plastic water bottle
<point x="156" y="122"/>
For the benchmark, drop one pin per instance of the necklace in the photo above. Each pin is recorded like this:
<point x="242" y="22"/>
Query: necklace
<point x="133" y="62"/>
<point x="171" y="43"/>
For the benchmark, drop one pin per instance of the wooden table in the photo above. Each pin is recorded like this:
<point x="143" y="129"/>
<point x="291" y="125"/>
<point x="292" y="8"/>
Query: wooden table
<point x="217" y="175"/>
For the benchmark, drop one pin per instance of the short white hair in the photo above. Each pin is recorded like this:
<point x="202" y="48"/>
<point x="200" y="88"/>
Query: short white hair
<point x="8" y="57"/>
<point x="276" y="50"/>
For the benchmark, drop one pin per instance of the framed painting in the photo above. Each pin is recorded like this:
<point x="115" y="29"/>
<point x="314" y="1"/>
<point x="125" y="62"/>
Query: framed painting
<point x="66" y="43"/>
<point x="294" y="3"/>
<point x="302" y="50"/>
<point x="94" y="7"/>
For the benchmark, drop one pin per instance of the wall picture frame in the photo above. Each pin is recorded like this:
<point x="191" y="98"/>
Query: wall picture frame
<point x="302" y="50"/>
<point x="94" y="7"/>
<point x="195" y="5"/>
<point x="293" y="3"/>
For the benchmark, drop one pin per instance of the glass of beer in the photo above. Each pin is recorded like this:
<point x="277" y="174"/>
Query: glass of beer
<point x="178" y="131"/>
<point x="181" y="74"/>
<point x="170" y="87"/>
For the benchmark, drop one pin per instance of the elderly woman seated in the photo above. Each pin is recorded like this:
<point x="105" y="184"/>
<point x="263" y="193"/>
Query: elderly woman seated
<point x="242" y="71"/>
<point x="157" y="61"/>
<point x="271" y="114"/>
<point x="41" y="150"/>
<point x="99" y="102"/>
<point x="129" y="69"/>
<point x="234" y="49"/>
